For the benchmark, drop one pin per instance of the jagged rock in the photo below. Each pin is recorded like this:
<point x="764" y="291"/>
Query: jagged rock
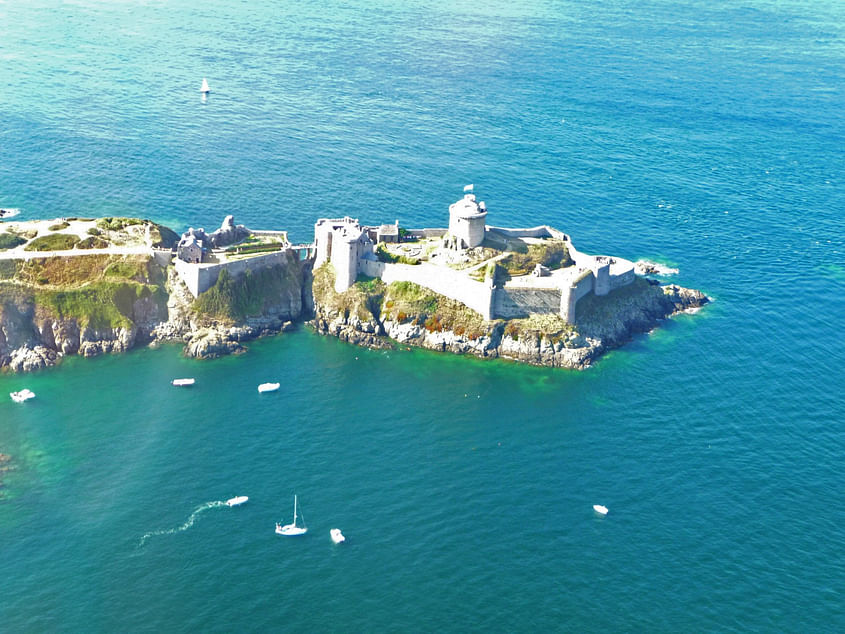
<point x="27" y="359"/>
<point x="575" y="350"/>
<point x="210" y="343"/>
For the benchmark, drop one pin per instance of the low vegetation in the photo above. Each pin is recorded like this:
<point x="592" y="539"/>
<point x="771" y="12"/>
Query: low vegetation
<point x="552" y="254"/>
<point x="59" y="226"/>
<point x="96" y="290"/>
<point x="53" y="242"/>
<point x="117" y="223"/>
<point x="363" y="299"/>
<point x="384" y="255"/>
<point x="11" y="240"/>
<point x="92" y="242"/>
<point x="235" y="298"/>
<point x="407" y="302"/>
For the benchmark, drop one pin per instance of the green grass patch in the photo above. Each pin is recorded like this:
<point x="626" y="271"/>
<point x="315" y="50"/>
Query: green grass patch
<point x="92" y="242"/>
<point x="250" y="294"/>
<point x="99" y="305"/>
<point x="117" y="223"/>
<point x="10" y="240"/>
<point x="53" y="242"/>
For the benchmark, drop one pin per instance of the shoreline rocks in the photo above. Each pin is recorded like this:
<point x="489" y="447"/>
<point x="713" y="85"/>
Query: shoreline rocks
<point x="576" y="350"/>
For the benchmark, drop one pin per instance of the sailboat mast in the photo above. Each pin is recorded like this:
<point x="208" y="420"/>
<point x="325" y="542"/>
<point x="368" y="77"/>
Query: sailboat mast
<point x="294" y="510"/>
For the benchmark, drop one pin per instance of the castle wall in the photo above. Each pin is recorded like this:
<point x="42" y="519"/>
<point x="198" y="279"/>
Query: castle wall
<point x="570" y="296"/>
<point x="200" y="277"/>
<point x="448" y="282"/>
<point x="426" y="233"/>
<point x="511" y="303"/>
<point x="543" y="231"/>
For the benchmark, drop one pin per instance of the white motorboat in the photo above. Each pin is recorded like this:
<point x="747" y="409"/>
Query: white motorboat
<point x="337" y="536"/>
<point x="8" y="213"/>
<point x="204" y="88"/>
<point x="292" y="529"/>
<point x="23" y="395"/>
<point x="601" y="510"/>
<point x="236" y="501"/>
<point x="182" y="382"/>
<point x="269" y="387"/>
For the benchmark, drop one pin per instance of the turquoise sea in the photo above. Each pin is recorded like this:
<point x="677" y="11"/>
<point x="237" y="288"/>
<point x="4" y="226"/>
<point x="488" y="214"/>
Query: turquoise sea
<point x="705" y="135"/>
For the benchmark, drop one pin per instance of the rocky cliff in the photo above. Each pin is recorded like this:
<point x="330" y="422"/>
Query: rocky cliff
<point x="90" y="305"/>
<point x="375" y="316"/>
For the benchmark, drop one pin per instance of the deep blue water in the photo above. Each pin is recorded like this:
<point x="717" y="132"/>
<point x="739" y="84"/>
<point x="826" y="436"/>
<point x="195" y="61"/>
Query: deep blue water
<point x="705" y="135"/>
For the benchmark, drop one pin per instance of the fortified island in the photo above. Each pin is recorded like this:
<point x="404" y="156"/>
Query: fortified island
<point x="91" y="286"/>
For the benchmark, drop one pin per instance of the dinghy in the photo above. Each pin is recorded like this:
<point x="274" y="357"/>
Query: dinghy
<point x="23" y="395"/>
<point x="182" y="382"/>
<point x="601" y="510"/>
<point x="337" y="536"/>
<point x="268" y="387"/>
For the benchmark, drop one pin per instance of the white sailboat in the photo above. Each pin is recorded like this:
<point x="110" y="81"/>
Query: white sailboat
<point x="204" y="89"/>
<point x="292" y="528"/>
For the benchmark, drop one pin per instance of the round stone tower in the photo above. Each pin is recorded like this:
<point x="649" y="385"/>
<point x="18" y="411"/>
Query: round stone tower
<point x="467" y="220"/>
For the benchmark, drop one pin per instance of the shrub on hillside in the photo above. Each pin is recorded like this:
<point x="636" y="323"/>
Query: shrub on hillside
<point x="53" y="242"/>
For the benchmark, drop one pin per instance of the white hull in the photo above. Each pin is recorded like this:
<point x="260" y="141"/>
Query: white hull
<point x="337" y="536"/>
<point x="601" y="510"/>
<point x="23" y="395"/>
<point x="290" y="530"/>
<point x="182" y="382"/>
<point x="236" y="501"/>
<point x="269" y="387"/>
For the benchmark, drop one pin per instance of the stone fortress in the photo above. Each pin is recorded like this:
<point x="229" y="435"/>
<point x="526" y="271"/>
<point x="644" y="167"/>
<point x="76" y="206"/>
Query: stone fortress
<point x="352" y="250"/>
<point x="459" y="261"/>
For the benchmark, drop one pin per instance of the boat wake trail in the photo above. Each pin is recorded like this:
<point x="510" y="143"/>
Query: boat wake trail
<point x="188" y="523"/>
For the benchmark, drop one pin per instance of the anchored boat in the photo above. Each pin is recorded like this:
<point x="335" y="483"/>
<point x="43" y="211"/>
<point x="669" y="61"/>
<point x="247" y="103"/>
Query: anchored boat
<point x="292" y="529"/>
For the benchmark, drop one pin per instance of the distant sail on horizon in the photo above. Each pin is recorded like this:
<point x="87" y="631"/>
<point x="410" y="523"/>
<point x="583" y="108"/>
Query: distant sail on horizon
<point x="204" y="87"/>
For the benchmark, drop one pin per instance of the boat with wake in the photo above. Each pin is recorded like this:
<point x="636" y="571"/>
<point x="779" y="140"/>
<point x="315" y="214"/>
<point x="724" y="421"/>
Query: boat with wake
<point x="236" y="501"/>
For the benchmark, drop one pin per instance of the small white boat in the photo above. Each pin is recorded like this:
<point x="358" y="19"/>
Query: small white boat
<point x="204" y="88"/>
<point x="23" y="395"/>
<point x="292" y="529"/>
<point x="601" y="510"/>
<point x="269" y="387"/>
<point x="182" y="382"/>
<point x="337" y="536"/>
<point x="236" y="501"/>
<point x="8" y="213"/>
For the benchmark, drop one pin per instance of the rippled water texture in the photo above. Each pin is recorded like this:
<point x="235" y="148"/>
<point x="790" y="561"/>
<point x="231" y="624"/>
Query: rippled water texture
<point x="707" y="136"/>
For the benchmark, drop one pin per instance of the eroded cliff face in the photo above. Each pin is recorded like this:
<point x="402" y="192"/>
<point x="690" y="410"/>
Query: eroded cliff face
<point x="603" y="326"/>
<point x="34" y="336"/>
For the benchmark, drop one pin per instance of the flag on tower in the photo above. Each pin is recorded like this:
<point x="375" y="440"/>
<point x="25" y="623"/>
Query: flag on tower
<point x="468" y="188"/>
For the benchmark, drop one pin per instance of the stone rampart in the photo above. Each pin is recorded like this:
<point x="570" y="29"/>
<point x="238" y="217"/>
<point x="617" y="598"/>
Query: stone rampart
<point x="543" y="231"/>
<point x="453" y="284"/>
<point x="426" y="233"/>
<point x="512" y="303"/>
<point x="200" y="277"/>
<point x="582" y="286"/>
